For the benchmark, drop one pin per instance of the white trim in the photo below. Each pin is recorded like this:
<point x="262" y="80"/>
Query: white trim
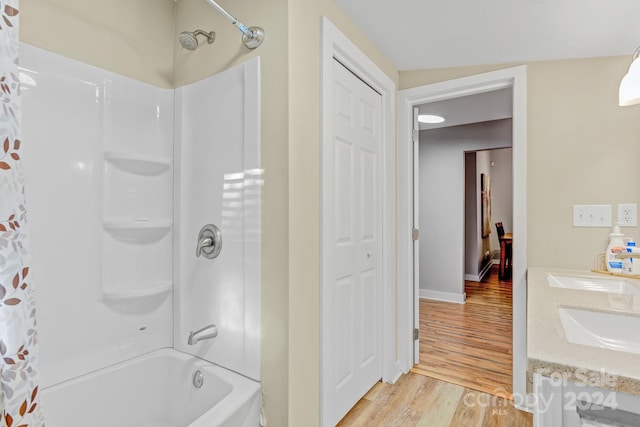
<point x="510" y="77"/>
<point x="337" y="45"/>
<point x="443" y="296"/>
<point x="478" y="277"/>
<point x="520" y="231"/>
<point x="415" y="176"/>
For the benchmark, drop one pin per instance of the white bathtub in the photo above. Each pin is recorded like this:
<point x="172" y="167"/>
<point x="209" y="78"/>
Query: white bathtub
<point x="155" y="390"/>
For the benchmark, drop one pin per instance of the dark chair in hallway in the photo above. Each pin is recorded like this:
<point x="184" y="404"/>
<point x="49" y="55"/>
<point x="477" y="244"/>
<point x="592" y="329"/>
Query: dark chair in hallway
<point x="506" y="250"/>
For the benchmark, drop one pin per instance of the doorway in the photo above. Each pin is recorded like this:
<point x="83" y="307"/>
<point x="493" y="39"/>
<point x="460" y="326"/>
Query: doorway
<point x="465" y="334"/>
<point x="514" y="78"/>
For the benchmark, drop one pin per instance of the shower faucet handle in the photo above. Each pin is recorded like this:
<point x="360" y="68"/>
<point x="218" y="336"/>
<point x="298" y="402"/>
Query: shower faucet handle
<point x="206" y="242"/>
<point x="209" y="242"/>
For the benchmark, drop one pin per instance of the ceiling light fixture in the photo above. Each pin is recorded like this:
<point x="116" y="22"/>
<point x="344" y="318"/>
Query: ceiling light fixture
<point x="630" y="84"/>
<point x="430" y="118"/>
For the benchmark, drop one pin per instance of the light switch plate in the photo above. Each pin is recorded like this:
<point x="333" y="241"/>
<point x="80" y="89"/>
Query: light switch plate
<point x="628" y="214"/>
<point x="592" y="215"/>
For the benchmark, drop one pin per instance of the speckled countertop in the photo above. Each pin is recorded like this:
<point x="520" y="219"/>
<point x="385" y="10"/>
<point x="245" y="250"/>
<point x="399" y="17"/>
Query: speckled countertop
<point x="548" y="350"/>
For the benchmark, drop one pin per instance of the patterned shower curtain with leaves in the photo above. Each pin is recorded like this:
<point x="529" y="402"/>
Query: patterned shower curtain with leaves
<point x="19" y="401"/>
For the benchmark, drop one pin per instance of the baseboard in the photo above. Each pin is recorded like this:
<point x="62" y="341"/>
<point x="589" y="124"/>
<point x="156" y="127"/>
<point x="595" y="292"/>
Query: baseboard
<point x="486" y="270"/>
<point x="443" y="296"/>
<point x="529" y="404"/>
<point x="478" y="277"/>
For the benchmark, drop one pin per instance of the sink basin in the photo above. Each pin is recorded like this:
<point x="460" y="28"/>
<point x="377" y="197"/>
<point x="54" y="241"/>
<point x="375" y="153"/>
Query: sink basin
<point x="612" y="285"/>
<point x="604" y="330"/>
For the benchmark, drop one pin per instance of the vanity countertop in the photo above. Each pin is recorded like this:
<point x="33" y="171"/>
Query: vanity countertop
<point x="548" y="350"/>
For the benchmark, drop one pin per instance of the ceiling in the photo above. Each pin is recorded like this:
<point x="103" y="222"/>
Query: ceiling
<point x="418" y="34"/>
<point x="476" y="108"/>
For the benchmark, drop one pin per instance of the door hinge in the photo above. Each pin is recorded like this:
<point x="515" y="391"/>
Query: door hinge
<point x="415" y="234"/>
<point x="416" y="334"/>
<point x="415" y="136"/>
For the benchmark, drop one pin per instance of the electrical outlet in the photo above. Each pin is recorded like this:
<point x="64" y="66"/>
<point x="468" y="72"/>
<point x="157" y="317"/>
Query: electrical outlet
<point x="592" y="215"/>
<point x="628" y="214"/>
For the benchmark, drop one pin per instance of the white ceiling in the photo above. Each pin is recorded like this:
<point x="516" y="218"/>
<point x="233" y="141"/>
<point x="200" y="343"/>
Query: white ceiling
<point x="417" y="34"/>
<point x="476" y="108"/>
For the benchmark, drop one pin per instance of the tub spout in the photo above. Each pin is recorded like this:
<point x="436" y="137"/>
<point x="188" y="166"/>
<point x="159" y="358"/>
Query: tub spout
<point x="199" y="335"/>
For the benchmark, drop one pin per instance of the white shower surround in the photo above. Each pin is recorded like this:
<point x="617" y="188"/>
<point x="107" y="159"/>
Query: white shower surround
<point x="218" y="181"/>
<point x="99" y="174"/>
<point x="66" y="108"/>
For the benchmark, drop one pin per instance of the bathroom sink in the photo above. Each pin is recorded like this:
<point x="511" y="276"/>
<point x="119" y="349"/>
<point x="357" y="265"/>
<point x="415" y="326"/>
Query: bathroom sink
<point x="604" y="330"/>
<point x="612" y="285"/>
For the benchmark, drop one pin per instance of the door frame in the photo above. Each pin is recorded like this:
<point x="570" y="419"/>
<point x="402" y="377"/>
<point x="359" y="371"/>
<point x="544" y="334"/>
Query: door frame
<point x="515" y="77"/>
<point x="335" y="45"/>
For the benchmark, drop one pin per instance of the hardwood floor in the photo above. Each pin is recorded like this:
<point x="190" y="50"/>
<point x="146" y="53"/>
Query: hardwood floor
<point x="417" y="400"/>
<point x="470" y="344"/>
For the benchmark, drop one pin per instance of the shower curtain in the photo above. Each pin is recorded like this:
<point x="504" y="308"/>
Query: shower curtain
<point x="19" y="399"/>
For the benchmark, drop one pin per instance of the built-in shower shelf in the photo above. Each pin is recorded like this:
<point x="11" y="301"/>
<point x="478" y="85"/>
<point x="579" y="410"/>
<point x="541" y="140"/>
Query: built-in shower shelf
<point x="138" y="164"/>
<point x="138" y="230"/>
<point x="159" y="289"/>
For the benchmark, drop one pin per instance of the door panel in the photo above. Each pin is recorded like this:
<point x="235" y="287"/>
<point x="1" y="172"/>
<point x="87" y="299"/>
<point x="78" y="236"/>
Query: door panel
<point x="343" y="343"/>
<point x="344" y="201"/>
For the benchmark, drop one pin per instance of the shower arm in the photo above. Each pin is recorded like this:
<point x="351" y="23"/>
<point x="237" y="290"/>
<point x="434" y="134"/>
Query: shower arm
<point x="252" y="37"/>
<point x="239" y="25"/>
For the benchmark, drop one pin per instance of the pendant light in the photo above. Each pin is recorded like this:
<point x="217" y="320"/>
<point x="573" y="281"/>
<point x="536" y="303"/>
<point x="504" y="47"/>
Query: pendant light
<point x="630" y="84"/>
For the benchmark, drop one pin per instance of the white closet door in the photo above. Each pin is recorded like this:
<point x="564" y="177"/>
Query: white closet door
<point x="352" y="246"/>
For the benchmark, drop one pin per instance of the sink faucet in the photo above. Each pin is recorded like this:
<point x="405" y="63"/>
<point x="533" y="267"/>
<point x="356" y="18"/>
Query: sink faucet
<point x="194" y="337"/>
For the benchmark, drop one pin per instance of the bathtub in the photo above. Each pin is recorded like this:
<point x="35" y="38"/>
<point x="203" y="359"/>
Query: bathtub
<point x="155" y="390"/>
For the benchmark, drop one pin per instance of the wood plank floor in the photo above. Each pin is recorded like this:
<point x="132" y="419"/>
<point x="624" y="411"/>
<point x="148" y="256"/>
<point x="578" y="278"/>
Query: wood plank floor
<point x="417" y="400"/>
<point x="470" y="344"/>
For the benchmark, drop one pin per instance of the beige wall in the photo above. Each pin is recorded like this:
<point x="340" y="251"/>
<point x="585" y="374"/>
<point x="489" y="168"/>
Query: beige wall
<point x="582" y="149"/>
<point x="132" y="38"/>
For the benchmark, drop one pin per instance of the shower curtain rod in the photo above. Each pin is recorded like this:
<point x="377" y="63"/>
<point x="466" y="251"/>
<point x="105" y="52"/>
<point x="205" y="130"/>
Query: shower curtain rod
<point x="252" y="37"/>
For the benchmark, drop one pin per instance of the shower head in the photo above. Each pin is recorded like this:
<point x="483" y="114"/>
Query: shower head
<point x="189" y="41"/>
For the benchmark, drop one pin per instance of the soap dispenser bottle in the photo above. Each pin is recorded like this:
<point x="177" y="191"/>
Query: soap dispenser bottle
<point x="616" y="246"/>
